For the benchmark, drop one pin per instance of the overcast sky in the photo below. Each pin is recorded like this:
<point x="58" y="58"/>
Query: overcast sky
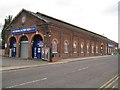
<point x="99" y="16"/>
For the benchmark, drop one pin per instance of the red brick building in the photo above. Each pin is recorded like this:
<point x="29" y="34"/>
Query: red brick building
<point x="35" y="35"/>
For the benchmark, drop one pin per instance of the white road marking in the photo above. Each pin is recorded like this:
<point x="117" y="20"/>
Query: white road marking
<point x="77" y="70"/>
<point x="82" y="68"/>
<point x="27" y="83"/>
<point x="73" y="71"/>
<point x="85" y="68"/>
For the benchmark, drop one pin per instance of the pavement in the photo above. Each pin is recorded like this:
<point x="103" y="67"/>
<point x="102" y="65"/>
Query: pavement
<point x="18" y="63"/>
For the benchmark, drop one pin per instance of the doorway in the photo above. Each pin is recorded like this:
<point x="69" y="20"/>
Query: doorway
<point x="37" y="46"/>
<point x="12" y="50"/>
<point x="24" y="47"/>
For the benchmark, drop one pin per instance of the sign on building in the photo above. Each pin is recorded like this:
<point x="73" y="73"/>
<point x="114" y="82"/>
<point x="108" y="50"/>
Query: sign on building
<point x="24" y="30"/>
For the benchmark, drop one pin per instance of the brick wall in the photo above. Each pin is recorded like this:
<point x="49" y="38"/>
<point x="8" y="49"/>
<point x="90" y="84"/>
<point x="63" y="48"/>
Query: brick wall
<point x="60" y="32"/>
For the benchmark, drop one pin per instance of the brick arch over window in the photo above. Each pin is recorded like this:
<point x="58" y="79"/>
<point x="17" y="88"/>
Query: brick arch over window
<point x="19" y="38"/>
<point x="97" y="48"/>
<point x="82" y="47"/>
<point x="10" y="38"/>
<point x="92" y="46"/>
<point x="66" y="43"/>
<point x="101" y="45"/>
<point x="74" y="47"/>
<point x="55" y="39"/>
<point x="88" y="47"/>
<point x="32" y="36"/>
<point x="75" y="43"/>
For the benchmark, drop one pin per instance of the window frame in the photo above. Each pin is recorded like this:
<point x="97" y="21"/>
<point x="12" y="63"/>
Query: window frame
<point x="55" y="43"/>
<point x="96" y="48"/>
<point x="82" y="47"/>
<point x="66" y="46"/>
<point x="88" y="48"/>
<point x="92" y="48"/>
<point x="75" y="47"/>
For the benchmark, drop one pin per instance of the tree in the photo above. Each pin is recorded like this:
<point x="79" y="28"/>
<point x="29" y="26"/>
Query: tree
<point x="7" y="20"/>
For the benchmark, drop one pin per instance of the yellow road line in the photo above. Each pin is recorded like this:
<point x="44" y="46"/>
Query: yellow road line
<point x="107" y="83"/>
<point x="111" y="83"/>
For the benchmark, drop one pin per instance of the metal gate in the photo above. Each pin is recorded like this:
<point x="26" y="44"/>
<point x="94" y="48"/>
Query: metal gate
<point x="24" y="49"/>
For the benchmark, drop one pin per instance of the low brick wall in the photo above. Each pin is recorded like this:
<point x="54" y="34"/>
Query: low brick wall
<point x="56" y="59"/>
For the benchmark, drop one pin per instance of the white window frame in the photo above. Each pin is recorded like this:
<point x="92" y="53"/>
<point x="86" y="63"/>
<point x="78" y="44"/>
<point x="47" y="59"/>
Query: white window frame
<point x="74" y="47"/>
<point x="65" y="47"/>
<point x="88" y="46"/>
<point x="55" y="46"/>
<point x="82" y="48"/>
<point x="96" y="48"/>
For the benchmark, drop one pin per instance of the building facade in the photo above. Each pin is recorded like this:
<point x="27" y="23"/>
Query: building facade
<point x="35" y="35"/>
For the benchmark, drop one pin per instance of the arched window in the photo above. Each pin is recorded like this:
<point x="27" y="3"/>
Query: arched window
<point x="96" y="48"/>
<point x="82" y="47"/>
<point x="92" y="48"/>
<point x="87" y="47"/>
<point x="65" y="47"/>
<point x="54" y="46"/>
<point x="74" y="47"/>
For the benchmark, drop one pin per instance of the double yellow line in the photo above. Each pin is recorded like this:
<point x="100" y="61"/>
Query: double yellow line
<point x="109" y="83"/>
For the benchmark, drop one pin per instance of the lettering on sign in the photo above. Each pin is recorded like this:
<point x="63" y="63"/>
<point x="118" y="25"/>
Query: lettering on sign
<point x="24" y="30"/>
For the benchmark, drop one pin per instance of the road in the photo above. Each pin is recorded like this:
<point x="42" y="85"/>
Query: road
<point x="91" y="73"/>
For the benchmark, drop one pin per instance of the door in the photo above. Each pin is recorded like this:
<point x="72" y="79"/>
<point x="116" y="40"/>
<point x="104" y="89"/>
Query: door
<point x="24" y="49"/>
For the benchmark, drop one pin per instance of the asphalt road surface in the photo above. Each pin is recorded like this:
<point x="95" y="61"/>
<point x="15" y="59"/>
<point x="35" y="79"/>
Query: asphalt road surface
<point x="91" y="73"/>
